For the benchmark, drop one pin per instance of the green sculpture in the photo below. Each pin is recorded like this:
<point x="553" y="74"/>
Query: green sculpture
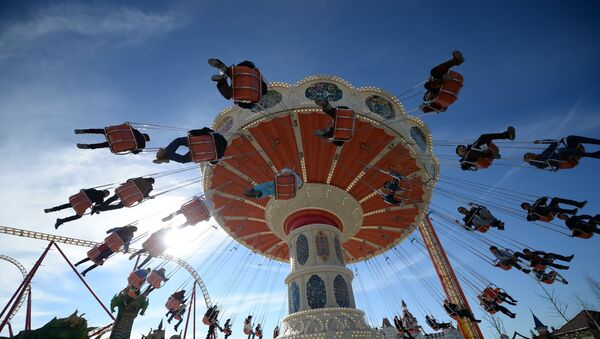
<point x="129" y="308"/>
<point x="72" y="327"/>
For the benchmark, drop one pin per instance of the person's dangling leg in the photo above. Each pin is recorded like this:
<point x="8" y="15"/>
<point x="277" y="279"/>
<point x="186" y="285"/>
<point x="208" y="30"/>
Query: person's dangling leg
<point x="224" y="88"/>
<point x="172" y="215"/>
<point x="555" y="201"/>
<point x="560" y="267"/>
<point x="89" y="269"/>
<point x="144" y="262"/>
<point x="171" y="151"/>
<point x="442" y="69"/>
<point x="572" y="141"/>
<point x="58" y="208"/>
<point x="488" y="138"/>
<point x="93" y="146"/>
<point x="138" y="253"/>
<point x="71" y="218"/>
<point x="558" y="256"/>
<point x="504" y="310"/>
<point x="90" y="131"/>
<point x="81" y="262"/>
<point x="112" y="207"/>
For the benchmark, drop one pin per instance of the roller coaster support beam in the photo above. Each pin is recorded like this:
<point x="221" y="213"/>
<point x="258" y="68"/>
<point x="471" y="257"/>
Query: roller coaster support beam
<point x="84" y="282"/>
<point x="22" y="288"/>
<point x="454" y="293"/>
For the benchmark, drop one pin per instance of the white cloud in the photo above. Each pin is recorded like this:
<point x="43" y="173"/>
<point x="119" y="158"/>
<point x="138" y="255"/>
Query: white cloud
<point x="84" y="23"/>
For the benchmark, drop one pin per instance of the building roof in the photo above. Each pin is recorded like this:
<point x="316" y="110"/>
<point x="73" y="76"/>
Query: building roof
<point x="583" y="320"/>
<point x="537" y="322"/>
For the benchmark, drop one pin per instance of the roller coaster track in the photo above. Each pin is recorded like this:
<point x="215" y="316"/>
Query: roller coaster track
<point x="86" y="243"/>
<point x="24" y="272"/>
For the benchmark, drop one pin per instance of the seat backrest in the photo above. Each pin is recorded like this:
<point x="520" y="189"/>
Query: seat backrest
<point x="114" y="242"/>
<point x="195" y="211"/>
<point x="129" y="193"/>
<point x="246" y="84"/>
<point x="121" y="138"/>
<point x="202" y="148"/>
<point x="285" y="186"/>
<point x="154" y="245"/>
<point x="80" y="202"/>
<point x="344" y="124"/>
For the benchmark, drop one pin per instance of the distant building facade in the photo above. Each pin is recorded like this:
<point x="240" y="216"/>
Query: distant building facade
<point x="585" y="325"/>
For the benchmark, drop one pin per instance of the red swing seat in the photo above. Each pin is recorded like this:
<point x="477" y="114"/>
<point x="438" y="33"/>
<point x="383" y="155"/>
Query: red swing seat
<point x="285" y="186"/>
<point x="154" y="279"/>
<point x="114" y="242"/>
<point x="80" y="202"/>
<point x="490" y="294"/>
<point x="246" y="84"/>
<point x="485" y="162"/>
<point x="483" y="228"/>
<point x="546" y="218"/>
<point x="93" y="255"/>
<point x="504" y="266"/>
<point x="583" y="235"/>
<point x="121" y="138"/>
<point x="247" y="329"/>
<point x="195" y="211"/>
<point x="343" y="126"/>
<point x="202" y="147"/>
<point x="154" y="245"/>
<point x="446" y="96"/>
<point x="172" y="304"/>
<point x="129" y="193"/>
<point x="135" y="281"/>
<point x="133" y="292"/>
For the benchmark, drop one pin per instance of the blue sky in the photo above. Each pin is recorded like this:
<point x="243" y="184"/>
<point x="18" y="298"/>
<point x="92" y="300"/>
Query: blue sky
<point x="66" y="65"/>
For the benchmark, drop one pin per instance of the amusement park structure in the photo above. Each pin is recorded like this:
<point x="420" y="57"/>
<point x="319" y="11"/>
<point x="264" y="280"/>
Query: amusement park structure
<point x="338" y="216"/>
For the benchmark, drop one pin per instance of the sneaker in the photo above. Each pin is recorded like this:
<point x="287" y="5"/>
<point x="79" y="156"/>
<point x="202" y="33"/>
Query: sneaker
<point x="79" y="131"/>
<point x="218" y="77"/>
<point x="458" y="57"/>
<point x="161" y="160"/>
<point x="216" y="63"/>
<point x="526" y="271"/>
<point x="58" y="223"/>
<point x="501" y="226"/>
<point x="83" y="146"/>
<point x="48" y="210"/>
<point x="511" y="133"/>
<point x="251" y="193"/>
<point x="569" y="258"/>
<point x="582" y="204"/>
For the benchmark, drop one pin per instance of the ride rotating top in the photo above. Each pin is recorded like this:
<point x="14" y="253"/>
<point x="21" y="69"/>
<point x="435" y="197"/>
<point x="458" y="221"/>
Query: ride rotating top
<point x="340" y="200"/>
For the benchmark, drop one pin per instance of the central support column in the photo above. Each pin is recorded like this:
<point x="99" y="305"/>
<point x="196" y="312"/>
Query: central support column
<point x="320" y="297"/>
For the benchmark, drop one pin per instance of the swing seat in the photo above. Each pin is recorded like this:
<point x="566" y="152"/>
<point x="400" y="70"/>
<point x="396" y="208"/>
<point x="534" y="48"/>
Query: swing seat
<point x="491" y="311"/>
<point x="172" y="304"/>
<point x="154" y="245"/>
<point x="447" y="94"/>
<point x="583" y="235"/>
<point x="195" y="211"/>
<point x="571" y="162"/>
<point x="343" y="126"/>
<point x="93" y="254"/>
<point x="504" y="266"/>
<point x="114" y="242"/>
<point x="154" y="279"/>
<point x="177" y="316"/>
<point x="546" y="218"/>
<point x="121" y="139"/>
<point x="247" y="330"/>
<point x="285" y="186"/>
<point x="258" y="333"/>
<point x="205" y="320"/>
<point x="246" y="84"/>
<point x="80" y="202"/>
<point x="129" y="194"/>
<point x="538" y="267"/>
<point x="485" y="162"/>
<point x="483" y="228"/>
<point x="226" y="331"/>
<point x="490" y="294"/>
<point x="202" y="147"/>
<point x="135" y="281"/>
<point x="549" y="281"/>
<point x="133" y="293"/>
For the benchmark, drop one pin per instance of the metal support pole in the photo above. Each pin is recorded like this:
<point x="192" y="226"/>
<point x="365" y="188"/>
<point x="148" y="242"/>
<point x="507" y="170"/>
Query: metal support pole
<point x="187" y="321"/>
<point x="454" y="293"/>
<point x="25" y="282"/>
<point x="28" y="315"/>
<point x="84" y="282"/>
<point x="194" y="320"/>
